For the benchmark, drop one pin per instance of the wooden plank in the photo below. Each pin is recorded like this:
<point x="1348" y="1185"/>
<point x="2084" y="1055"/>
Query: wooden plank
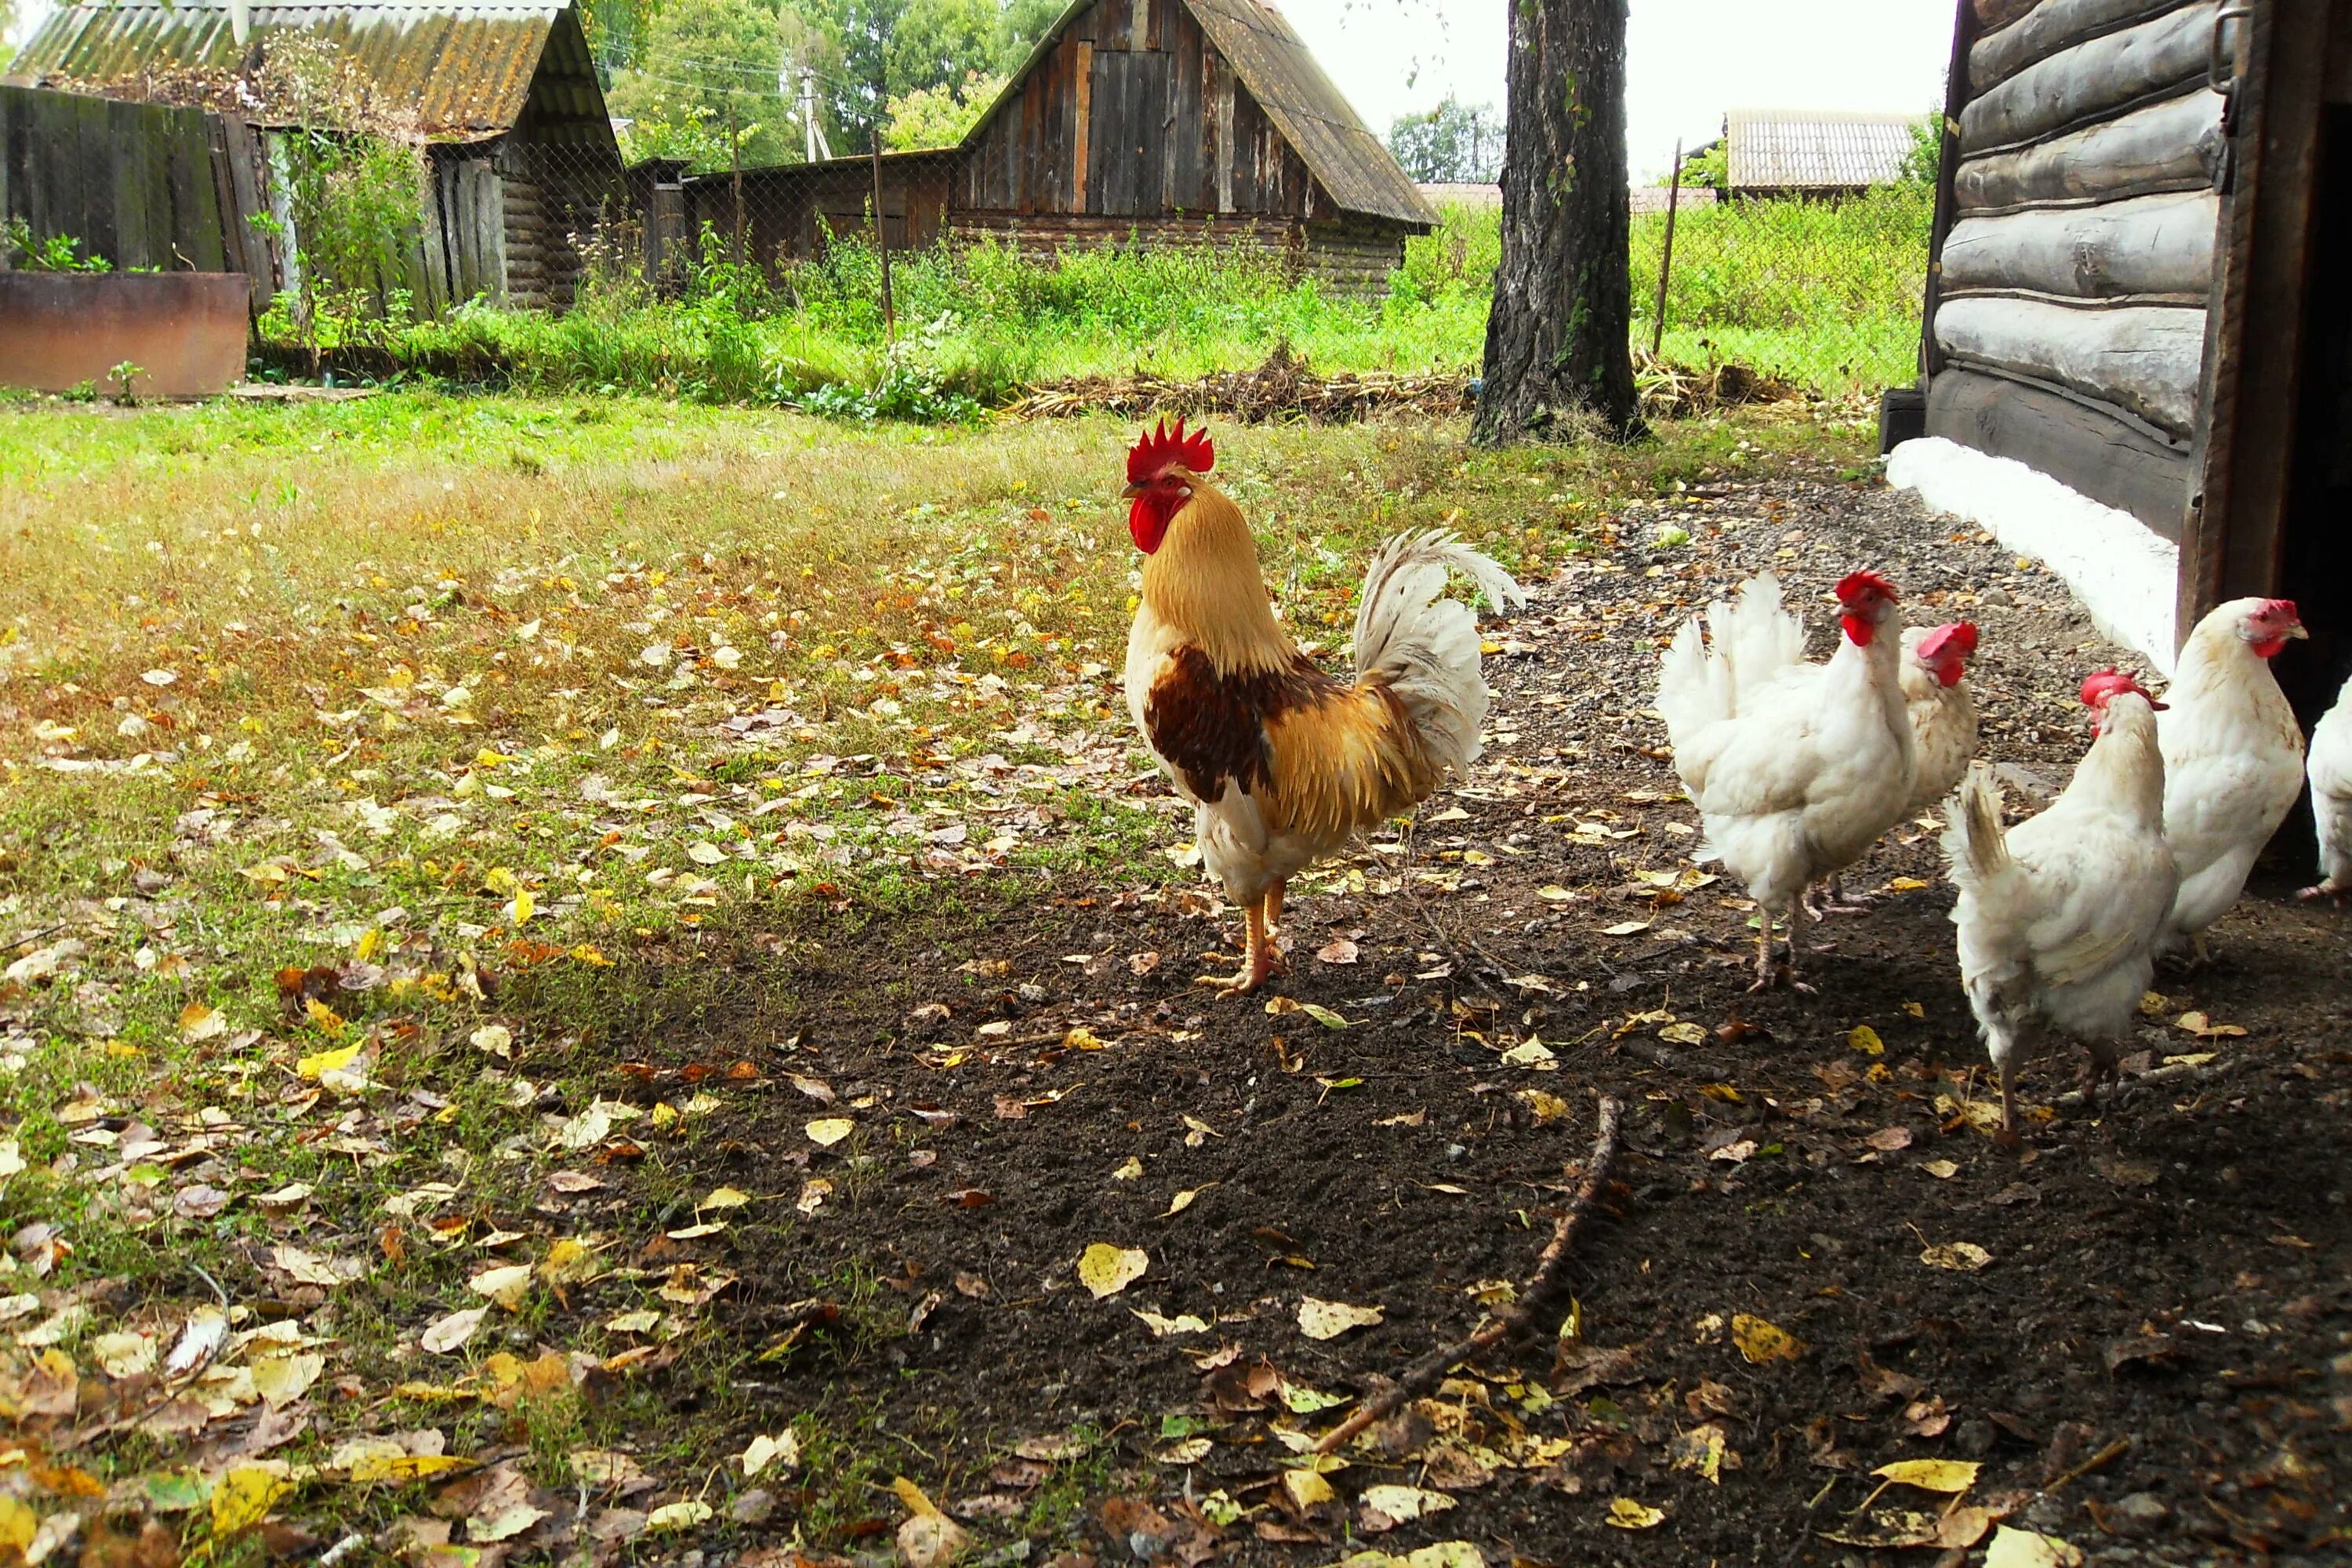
<point x="2173" y="145"/>
<point x="2236" y="539"/>
<point x="2147" y="245"/>
<point x="1139" y="25"/>
<point x="2142" y="359"/>
<point x="94" y="173"/>
<point x="1184" y="139"/>
<point x="1217" y="127"/>
<point x="1082" y="179"/>
<point x="2049" y="27"/>
<point x="2112" y="461"/>
<point x="2091" y="81"/>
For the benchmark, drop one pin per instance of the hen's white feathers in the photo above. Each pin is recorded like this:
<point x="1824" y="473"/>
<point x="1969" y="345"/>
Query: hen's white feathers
<point x="1796" y="768"/>
<point x="2330" y="772"/>
<point x="1943" y="720"/>
<point x="2233" y="766"/>
<point x="2057" y="919"/>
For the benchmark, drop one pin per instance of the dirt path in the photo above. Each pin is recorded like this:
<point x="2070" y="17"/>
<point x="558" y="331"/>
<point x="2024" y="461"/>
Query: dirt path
<point x="2168" y="1275"/>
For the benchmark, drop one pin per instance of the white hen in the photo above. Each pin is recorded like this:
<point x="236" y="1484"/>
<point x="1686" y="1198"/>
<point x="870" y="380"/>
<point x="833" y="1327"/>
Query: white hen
<point x="2233" y="759"/>
<point x="2058" y="919"/>
<point x="1943" y="709"/>
<point x="1795" y="769"/>
<point x="2331" y="796"/>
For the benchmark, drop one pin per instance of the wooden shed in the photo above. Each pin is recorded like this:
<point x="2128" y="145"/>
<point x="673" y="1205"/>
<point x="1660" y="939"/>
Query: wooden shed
<point x="2137" y="292"/>
<point x="1783" y="152"/>
<point x="1152" y="121"/>
<point x="502" y="95"/>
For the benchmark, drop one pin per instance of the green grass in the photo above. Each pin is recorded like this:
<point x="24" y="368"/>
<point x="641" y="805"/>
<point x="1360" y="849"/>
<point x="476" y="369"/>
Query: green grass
<point x="428" y="653"/>
<point x="1826" y="294"/>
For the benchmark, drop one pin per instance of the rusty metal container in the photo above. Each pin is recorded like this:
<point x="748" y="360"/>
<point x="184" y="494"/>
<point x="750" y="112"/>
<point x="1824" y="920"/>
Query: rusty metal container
<point x="184" y="330"/>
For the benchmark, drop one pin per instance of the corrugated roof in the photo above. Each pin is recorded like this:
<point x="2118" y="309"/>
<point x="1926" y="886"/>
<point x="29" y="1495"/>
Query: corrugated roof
<point x="1800" y="149"/>
<point x="1352" y="165"/>
<point x="445" y="71"/>
<point x="1281" y="72"/>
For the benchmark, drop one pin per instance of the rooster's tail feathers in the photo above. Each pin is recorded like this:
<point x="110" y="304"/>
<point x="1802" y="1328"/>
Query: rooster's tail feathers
<point x="1424" y="646"/>
<point x="1973" y="843"/>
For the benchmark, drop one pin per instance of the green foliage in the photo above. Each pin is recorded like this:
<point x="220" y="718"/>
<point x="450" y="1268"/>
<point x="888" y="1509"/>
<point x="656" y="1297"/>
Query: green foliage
<point x="58" y="253"/>
<point x="1925" y="159"/>
<point x="940" y="116"/>
<point x="1707" y="166"/>
<point x="1019" y="28"/>
<point x="704" y="85"/>
<point x="1453" y="142"/>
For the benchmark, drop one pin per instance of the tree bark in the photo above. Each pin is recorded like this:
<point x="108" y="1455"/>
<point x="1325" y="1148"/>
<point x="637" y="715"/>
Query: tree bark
<point x="1563" y="311"/>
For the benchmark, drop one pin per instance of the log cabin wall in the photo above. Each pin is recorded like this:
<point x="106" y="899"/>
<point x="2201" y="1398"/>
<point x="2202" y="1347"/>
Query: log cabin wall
<point x="2069" y="318"/>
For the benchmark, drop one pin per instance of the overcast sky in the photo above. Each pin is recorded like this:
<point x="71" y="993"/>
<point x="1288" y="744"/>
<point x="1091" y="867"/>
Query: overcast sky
<point x="1686" y="60"/>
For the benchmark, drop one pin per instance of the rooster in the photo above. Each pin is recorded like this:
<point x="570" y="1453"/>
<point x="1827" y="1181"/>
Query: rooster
<point x="1283" y="764"/>
<point x="2233" y="759"/>
<point x="2331" y="798"/>
<point x="2058" y="919"/>
<point x="1943" y="709"/>
<point x="1796" y="769"/>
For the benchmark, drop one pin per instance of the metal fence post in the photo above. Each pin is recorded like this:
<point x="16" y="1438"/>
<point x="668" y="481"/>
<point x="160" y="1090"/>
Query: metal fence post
<point x="1666" y="261"/>
<point x="882" y="245"/>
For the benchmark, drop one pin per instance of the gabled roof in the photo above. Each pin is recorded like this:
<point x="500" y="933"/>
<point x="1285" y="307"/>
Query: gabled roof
<point x="1800" y="149"/>
<point x="459" y="70"/>
<point x="1270" y="60"/>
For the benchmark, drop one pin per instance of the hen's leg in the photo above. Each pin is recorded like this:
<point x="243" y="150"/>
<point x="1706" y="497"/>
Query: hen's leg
<point x="1763" y="950"/>
<point x="1796" y="985"/>
<point x="2329" y="888"/>
<point x="1255" y="966"/>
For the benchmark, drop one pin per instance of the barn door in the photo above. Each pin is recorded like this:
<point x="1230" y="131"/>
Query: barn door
<point x="1126" y="134"/>
<point x="2273" y="61"/>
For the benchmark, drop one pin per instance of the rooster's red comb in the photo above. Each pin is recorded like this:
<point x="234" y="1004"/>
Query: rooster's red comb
<point x="1859" y="585"/>
<point x="1159" y="447"/>
<point x="1959" y="637"/>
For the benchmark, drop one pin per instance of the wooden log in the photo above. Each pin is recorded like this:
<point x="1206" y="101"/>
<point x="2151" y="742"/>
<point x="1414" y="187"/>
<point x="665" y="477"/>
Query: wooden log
<point x="2146" y="244"/>
<point x="2049" y="27"/>
<point x="2142" y="359"/>
<point x="2175" y="145"/>
<point x="1992" y="14"/>
<point x="2113" y="461"/>
<point x="2091" y="81"/>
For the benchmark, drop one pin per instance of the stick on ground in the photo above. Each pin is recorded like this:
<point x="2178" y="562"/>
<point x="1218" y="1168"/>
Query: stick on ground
<point x="1542" y="1286"/>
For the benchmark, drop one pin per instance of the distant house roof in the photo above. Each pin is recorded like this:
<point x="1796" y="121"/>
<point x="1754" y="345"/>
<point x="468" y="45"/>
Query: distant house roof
<point x="1810" y="149"/>
<point x="1354" y="167"/>
<point x="456" y="70"/>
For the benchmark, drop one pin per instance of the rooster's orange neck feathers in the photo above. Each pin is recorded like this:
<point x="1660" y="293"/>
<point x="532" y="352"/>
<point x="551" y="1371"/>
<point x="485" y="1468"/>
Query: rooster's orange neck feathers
<point x="1204" y="583"/>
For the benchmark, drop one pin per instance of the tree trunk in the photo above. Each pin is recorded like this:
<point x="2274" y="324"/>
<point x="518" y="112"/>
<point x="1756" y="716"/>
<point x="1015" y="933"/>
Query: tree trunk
<point x="1557" y="337"/>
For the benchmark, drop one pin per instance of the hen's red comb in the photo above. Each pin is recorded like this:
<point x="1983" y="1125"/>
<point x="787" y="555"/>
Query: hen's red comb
<point x="2107" y="683"/>
<point x="1159" y="447"/>
<point x="1959" y="637"/>
<point x="1857" y="584"/>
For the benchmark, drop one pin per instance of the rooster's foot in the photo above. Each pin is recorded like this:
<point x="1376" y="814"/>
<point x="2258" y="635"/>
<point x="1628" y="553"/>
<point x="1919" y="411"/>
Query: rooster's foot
<point x="1241" y="984"/>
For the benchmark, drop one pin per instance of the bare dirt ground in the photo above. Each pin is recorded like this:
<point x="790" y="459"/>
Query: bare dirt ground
<point x="1813" y="1260"/>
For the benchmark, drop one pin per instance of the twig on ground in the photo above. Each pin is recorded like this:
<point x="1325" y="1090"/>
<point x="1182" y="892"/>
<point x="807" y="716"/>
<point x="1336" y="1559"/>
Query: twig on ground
<point x="2106" y="1456"/>
<point x="1542" y="1285"/>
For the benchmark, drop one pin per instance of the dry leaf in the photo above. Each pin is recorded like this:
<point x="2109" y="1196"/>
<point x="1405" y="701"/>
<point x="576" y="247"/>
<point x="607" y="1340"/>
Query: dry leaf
<point x="1762" y="1342"/>
<point x="763" y="1453"/>
<point x="1961" y="1257"/>
<point x="1864" y="1039"/>
<point x="1949" y="1475"/>
<point x="1183" y="1323"/>
<point x="505" y="1285"/>
<point x="1321" y="1319"/>
<point x="450" y="1333"/>
<point x="827" y="1130"/>
<point x="2025" y="1549"/>
<point x="1106" y="1270"/>
<point x="1624" y="1513"/>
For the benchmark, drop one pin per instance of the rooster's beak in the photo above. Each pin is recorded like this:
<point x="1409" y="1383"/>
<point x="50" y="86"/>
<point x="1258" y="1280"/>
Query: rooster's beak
<point x="1132" y="491"/>
<point x="2299" y="631"/>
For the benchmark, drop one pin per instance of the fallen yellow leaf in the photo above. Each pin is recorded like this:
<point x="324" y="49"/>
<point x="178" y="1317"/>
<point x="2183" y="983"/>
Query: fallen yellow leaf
<point x="1950" y="1476"/>
<point x="1762" y="1342"/>
<point x="1624" y="1513"/>
<point x="244" y="1495"/>
<point x="1106" y="1270"/>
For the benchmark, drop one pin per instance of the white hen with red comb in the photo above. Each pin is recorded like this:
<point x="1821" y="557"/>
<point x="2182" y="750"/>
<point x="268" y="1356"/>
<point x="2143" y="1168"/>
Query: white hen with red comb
<point x="1796" y="768"/>
<point x="2232" y="758"/>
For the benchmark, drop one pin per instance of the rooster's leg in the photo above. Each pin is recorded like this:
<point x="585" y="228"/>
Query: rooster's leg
<point x="1274" y="907"/>
<point x="1796" y="985"/>
<point x="1255" y="966"/>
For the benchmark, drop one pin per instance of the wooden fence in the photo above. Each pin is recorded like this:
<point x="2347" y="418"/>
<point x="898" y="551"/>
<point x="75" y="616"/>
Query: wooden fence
<point x="142" y="185"/>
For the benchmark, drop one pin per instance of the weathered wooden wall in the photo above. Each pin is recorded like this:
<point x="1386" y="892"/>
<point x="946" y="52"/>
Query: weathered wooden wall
<point x="142" y="185"/>
<point x="2072" y="283"/>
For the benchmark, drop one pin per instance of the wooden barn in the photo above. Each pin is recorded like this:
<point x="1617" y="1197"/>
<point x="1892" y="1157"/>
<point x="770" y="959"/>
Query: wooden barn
<point x="2138" y="294"/>
<point x="502" y="96"/>
<point x="1150" y="120"/>
<point x="1812" y="153"/>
